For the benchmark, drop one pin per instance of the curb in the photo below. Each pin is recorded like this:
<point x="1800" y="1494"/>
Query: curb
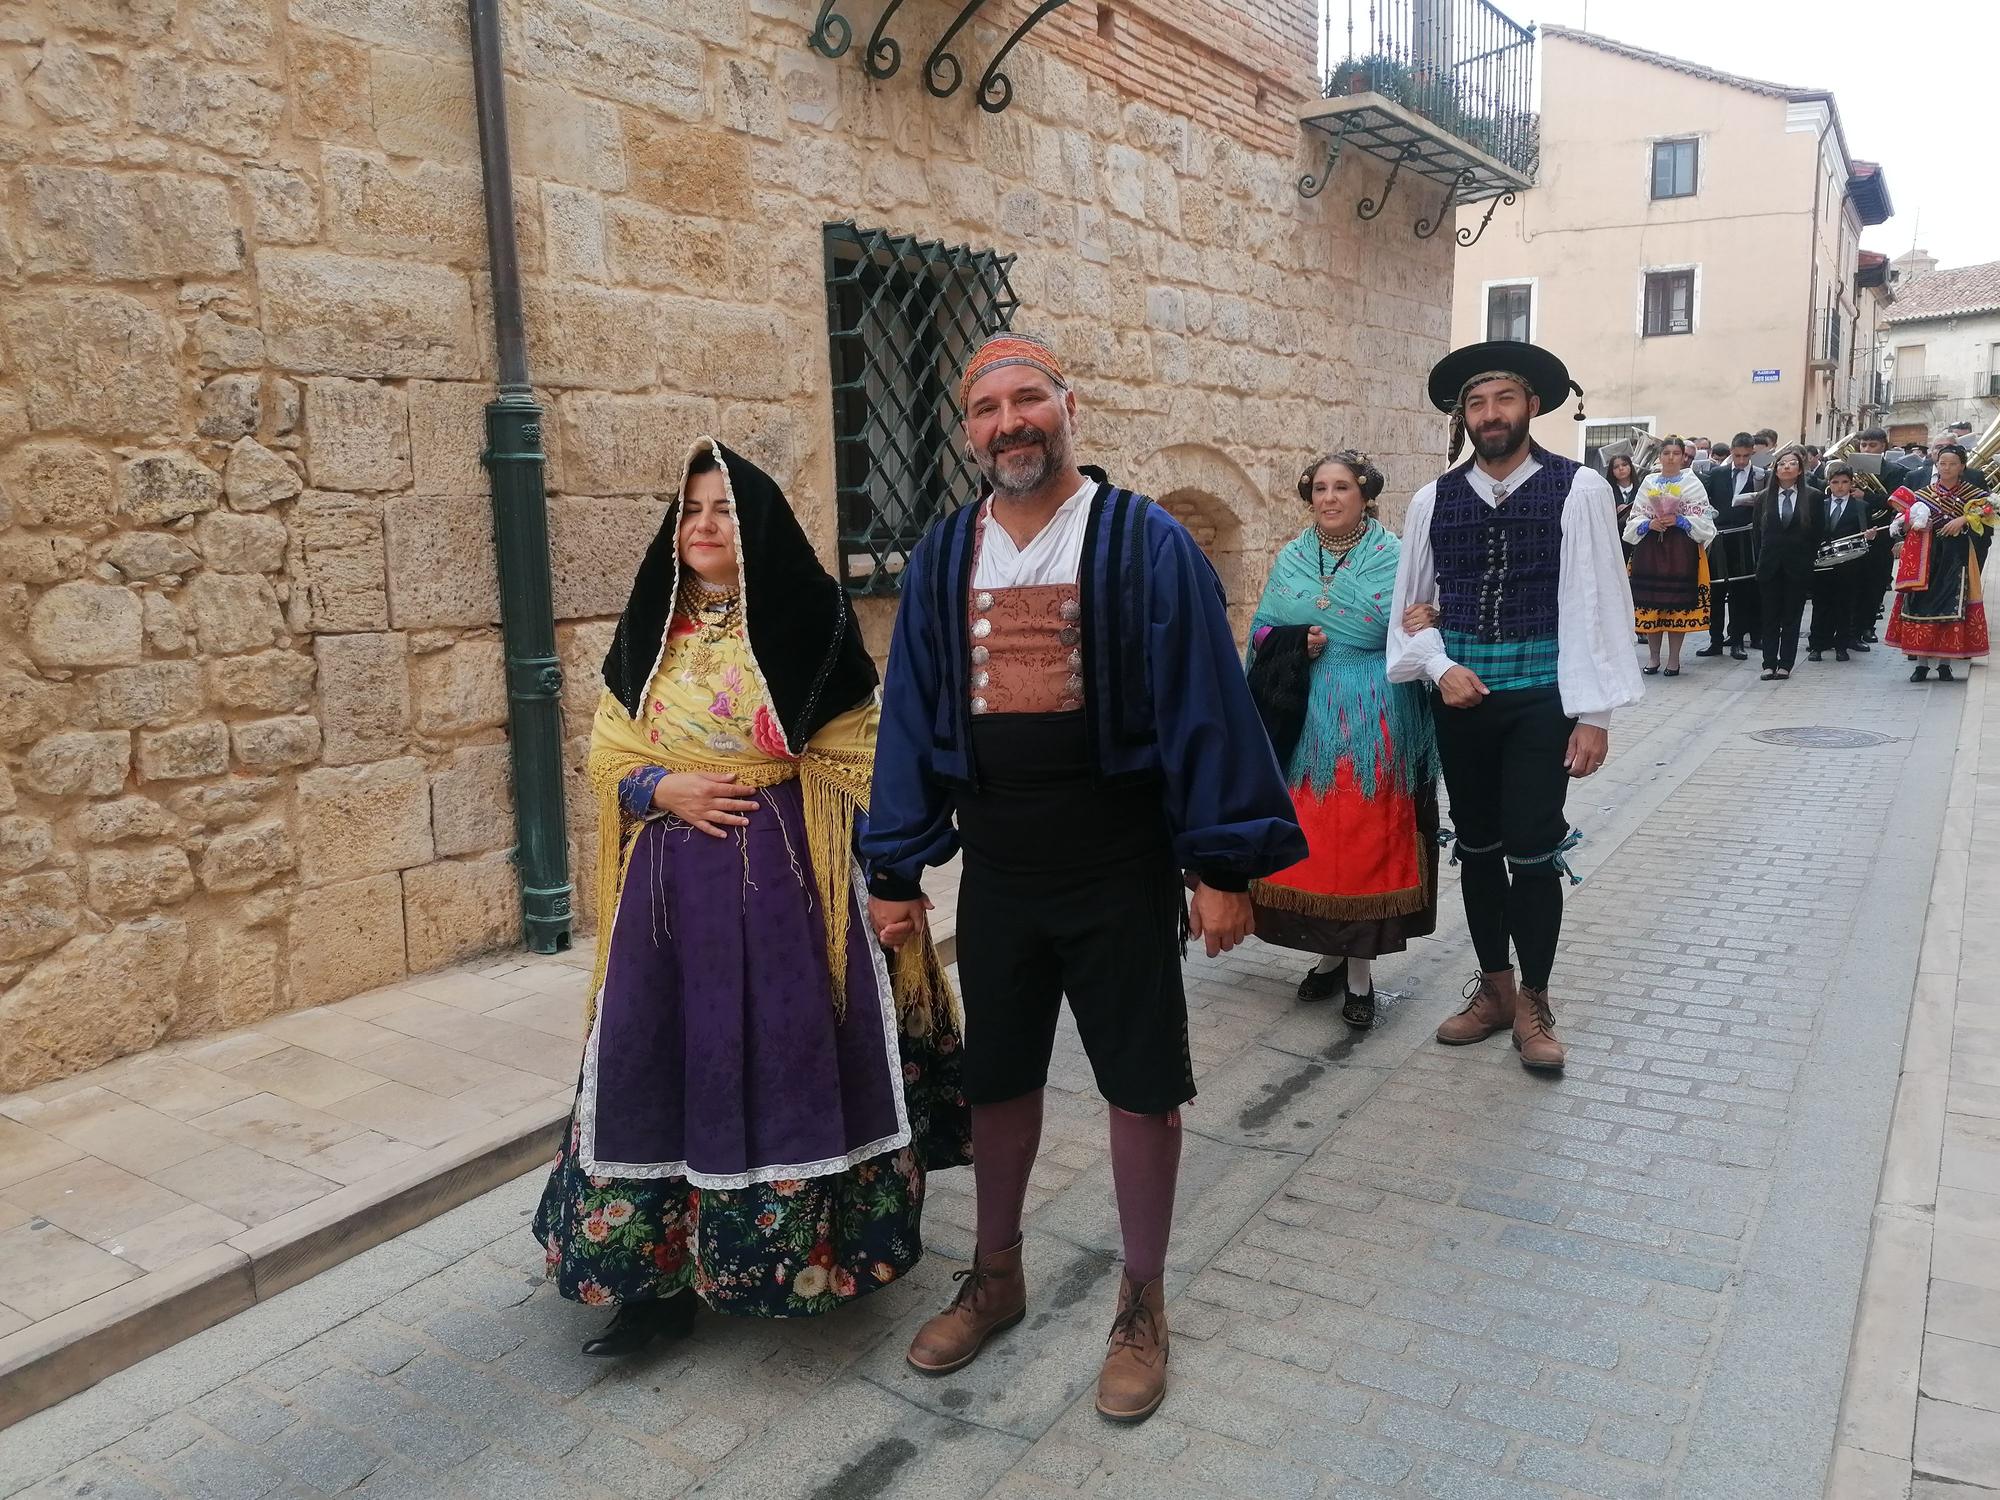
<point x="70" y="1352"/>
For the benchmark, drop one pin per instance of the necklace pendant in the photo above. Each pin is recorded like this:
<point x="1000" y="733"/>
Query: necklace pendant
<point x="1321" y="602"/>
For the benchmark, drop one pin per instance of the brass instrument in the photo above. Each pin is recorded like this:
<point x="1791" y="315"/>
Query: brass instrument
<point x="1982" y="454"/>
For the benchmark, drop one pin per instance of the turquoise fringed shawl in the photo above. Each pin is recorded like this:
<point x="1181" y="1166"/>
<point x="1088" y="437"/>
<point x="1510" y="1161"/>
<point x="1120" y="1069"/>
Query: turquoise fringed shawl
<point x="1351" y="698"/>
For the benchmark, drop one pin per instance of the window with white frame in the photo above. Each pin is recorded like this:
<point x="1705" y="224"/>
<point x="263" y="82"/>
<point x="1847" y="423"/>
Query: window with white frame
<point x="1510" y="310"/>
<point x="1674" y="168"/>
<point x="1669" y="305"/>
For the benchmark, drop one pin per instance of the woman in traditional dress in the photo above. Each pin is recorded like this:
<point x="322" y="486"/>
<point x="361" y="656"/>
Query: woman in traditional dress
<point x="1357" y="749"/>
<point x="759" y="1100"/>
<point x="1669" y="529"/>
<point x="1940" y="612"/>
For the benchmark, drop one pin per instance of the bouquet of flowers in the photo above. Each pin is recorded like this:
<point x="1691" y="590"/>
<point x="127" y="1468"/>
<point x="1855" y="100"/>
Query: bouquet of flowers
<point x="1981" y="515"/>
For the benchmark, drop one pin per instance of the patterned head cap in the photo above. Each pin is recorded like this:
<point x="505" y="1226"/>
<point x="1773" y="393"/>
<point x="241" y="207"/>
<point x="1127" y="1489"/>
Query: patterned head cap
<point x="1004" y="349"/>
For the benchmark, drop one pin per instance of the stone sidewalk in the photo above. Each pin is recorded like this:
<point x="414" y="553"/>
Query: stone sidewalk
<point x="1397" y="1270"/>
<point x="1921" y="1418"/>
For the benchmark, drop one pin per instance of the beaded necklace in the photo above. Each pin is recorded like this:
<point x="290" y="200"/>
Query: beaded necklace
<point x="1340" y="544"/>
<point x="716" y="609"/>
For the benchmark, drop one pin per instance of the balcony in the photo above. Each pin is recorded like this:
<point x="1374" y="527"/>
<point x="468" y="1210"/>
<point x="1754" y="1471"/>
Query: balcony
<point x="1916" y="390"/>
<point x="1441" y="88"/>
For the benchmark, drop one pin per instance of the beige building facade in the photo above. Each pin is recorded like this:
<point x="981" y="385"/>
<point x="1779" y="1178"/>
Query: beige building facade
<point x="1940" y="347"/>
<point x="253" y="715"/>
<point x="1691" y="251"/>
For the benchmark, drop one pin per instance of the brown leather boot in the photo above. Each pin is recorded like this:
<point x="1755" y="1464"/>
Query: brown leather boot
<point x="1494" y="1003"/>
<point x="1134" y="1379"/>
<point x="994" y="1297"/>
<point x="1535" y="1032"/>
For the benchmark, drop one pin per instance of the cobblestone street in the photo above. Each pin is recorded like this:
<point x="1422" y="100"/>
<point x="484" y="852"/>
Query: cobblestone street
<point x="1397" y="1269"/>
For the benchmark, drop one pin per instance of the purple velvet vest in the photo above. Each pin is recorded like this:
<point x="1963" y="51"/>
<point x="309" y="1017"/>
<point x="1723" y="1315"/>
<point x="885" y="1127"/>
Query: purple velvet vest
<point x="1498" y="567"/>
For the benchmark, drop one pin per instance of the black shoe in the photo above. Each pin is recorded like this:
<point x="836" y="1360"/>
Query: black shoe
<point x="1921" y="673"/>
<point x="1840" y="653"/>
<point x="1815" y="656"/>
<point x="1857" y="646"/>
<point x="1737" y="653"/>
<point x="1709" y="651"/>
<point x="1944" y="673"/>
<point x="1770" y="674"/>
<point x="636" y="1326"/>
<point x="1671" y="672"/>
<point x="1359" y="1010"/>
<point x="1324" y="984"/>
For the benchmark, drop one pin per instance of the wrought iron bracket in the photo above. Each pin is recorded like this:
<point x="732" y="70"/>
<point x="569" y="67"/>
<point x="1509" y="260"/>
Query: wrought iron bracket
<point x="1425" y="228"/>
<point x="884" y="55"/>
<point x="942" y="57"/>
<point x="1311" y="186"/>
<point x="829" y="24"/>
<point x="1467" y="238"/>
<point x="996" y="89"/>
<point x="1369" y="208"/>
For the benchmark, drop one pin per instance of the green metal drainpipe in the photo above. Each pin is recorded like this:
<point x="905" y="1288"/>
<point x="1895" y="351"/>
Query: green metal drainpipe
<point x="515" y="460"/>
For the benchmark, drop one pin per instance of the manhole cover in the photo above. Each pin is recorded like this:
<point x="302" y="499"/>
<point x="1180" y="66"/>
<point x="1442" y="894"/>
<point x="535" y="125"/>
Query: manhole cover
<point x="1822" y="737"/>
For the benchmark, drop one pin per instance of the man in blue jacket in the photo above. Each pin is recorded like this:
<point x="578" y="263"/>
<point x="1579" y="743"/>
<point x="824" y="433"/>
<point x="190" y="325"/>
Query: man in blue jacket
<point x="1066" y="704"/>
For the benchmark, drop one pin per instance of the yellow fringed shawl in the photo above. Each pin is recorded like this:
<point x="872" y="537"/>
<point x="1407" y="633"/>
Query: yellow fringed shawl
<point x="834" y="773"/>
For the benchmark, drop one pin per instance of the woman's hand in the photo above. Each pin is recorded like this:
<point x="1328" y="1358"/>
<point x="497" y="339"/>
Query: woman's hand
<point x="1953" y="527"/>
<point x="896" y="922"/>
<point x="703" y="801"/>
<point x="1420" y="617"/>
<point x="1315" y="642"/>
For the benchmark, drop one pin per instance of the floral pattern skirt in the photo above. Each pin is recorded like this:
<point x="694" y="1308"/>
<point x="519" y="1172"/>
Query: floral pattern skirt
<point x="784" y="1249"/>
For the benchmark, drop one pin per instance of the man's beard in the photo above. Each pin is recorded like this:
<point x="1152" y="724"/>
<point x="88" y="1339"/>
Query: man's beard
<point x="1490" y="443"/>
<point x="1038" y="458"/>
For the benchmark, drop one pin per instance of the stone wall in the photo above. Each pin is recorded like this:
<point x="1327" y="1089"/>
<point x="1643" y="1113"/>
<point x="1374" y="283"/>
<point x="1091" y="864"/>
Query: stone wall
<point x="251" y="705"/>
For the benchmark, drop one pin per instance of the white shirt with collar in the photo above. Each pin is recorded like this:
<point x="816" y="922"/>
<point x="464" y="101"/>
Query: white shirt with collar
<point x="1596" y="668"/>
<point x="1054" y="555"/>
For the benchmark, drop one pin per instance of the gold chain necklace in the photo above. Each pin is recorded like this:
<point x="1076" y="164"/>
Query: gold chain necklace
<point x="717" y="611"/>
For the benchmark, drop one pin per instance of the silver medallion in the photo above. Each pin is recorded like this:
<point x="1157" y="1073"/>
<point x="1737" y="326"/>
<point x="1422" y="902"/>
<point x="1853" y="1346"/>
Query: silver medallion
<point x="1076" y="661"/>
<point x="1069" y="635"/>
<point x="981" y="629"/>
<point x="1072" y="610"/>
<point x="1073" y="687"/>
<point x="1071" y="705"/>
<point x="979" y="705"/>
<point x="980" y="656"/>
<point x="981" y="679"/>
<point x="982" y="600"/>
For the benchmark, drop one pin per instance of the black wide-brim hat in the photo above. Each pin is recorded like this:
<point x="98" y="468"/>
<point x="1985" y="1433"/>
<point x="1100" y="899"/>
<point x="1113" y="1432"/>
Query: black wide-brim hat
<point x="1546" y="376"/>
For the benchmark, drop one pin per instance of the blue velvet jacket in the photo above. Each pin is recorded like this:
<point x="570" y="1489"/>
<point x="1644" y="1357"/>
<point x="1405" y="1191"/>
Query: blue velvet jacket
<point x="1166" y="702"/>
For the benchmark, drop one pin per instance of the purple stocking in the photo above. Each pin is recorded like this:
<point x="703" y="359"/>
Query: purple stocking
<point x="1145" y="1164"/>
<point x="1005" y="1138"/>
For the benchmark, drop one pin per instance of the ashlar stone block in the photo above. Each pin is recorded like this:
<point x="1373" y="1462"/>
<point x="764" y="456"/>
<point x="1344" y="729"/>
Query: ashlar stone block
<point x="149" y="554"/>
<point x="329" y="86"/>
<point x="441" y="563"/>
<point x="363" y="820"/>
<point x="25" y="842"/>
<point x="158" y="487"/>
<point x="30" y="707"/>
<point x="126" y="818"/>
<point x="103" y="996"/>
<point x="221" y="108"/>
<point x="344" y="939"/>
<point x="364" y="696"/>
<point x="614" y="57"/>
<point x="428" y="209"/>
<point x="153" y="694"/>
<point x="460" y="689"/>
<point x="596" y="337"/>
<point x="95" y="362"/>
<point x="472" y="801"/>
<point x="629" y="445"/>
<point x="37" y="912"/>
<point x="231" y="406"/>
<point x="357" y="435"/>
<point x="344" y="315"/>
<point x="232" y="978"/>
<point x="271" y="743"/>
<point x="254" y="477"/>
<point x="447" y="435"/>
<point x="595" y="547"/>
<point x="457" y="909"/>
<point x="284" y="206"/>
<point x="61" y="484"/>
<point x="341" y="563"/>
<point x="87" y="223"/>
<point x="72" y="88"/>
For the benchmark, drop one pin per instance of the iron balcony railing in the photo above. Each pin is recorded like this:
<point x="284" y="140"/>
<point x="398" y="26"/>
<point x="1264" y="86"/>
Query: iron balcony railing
<point x="1460" y="64"/>
<point x="1915" y="388"/>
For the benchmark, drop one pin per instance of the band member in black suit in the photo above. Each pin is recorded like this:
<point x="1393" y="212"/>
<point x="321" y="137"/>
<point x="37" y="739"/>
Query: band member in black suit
<point x="1873" y="590"/>
<point x="1733" y="609"/>
<point x="1835" y="589"/>
<point x="1624" y="479"/>
<point x="1791" y="524"/>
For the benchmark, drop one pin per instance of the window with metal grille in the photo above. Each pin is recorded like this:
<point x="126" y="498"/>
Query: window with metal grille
<point x="903" y="315"/>
<point x="1509" y="311"/>
<point x="1674" y="168"/>
<point x="1669" y="302"/>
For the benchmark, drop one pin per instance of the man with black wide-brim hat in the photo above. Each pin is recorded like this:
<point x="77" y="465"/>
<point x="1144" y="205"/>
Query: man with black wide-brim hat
<point x="1512" y="599"/>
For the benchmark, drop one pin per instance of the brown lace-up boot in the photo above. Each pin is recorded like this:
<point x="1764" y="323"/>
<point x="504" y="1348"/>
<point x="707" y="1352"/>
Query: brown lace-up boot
<point x="1535" y="1032"/>
<point x="1493" y="1007"/>
<point x="1134" y="1379"/>
<point x="993" y="1297"/>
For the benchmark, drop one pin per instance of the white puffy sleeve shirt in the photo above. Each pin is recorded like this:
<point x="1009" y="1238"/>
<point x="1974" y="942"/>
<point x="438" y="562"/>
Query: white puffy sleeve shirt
<point x="1596" y="668"/>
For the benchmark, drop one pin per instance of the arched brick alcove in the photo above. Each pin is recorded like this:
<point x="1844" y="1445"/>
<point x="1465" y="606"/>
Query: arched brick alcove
<point x="1208" y="492"/>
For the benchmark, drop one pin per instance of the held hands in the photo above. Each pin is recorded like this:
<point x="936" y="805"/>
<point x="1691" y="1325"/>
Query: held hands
<point x="1221" y="919"/>
<point x="896" y="922"/>
<point x="1315" y="642"/>
<point x="1420" y="617"/>
<point x="1461" y="688"/>
<point x="709" y="803"/>
<point x="1952" y="527"/>
<point x="1588" y="745"/>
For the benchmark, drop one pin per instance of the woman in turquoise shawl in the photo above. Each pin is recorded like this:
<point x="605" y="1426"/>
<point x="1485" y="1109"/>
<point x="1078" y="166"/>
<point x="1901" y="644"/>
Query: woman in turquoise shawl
<point x="1358" y="750"/>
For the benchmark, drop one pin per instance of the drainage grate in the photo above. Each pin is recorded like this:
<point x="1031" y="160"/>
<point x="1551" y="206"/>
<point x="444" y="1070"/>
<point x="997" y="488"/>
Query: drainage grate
<point x="1822" y="737"/>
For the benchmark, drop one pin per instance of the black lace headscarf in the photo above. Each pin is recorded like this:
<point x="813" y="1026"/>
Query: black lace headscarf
<point x="804" y="638"/>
